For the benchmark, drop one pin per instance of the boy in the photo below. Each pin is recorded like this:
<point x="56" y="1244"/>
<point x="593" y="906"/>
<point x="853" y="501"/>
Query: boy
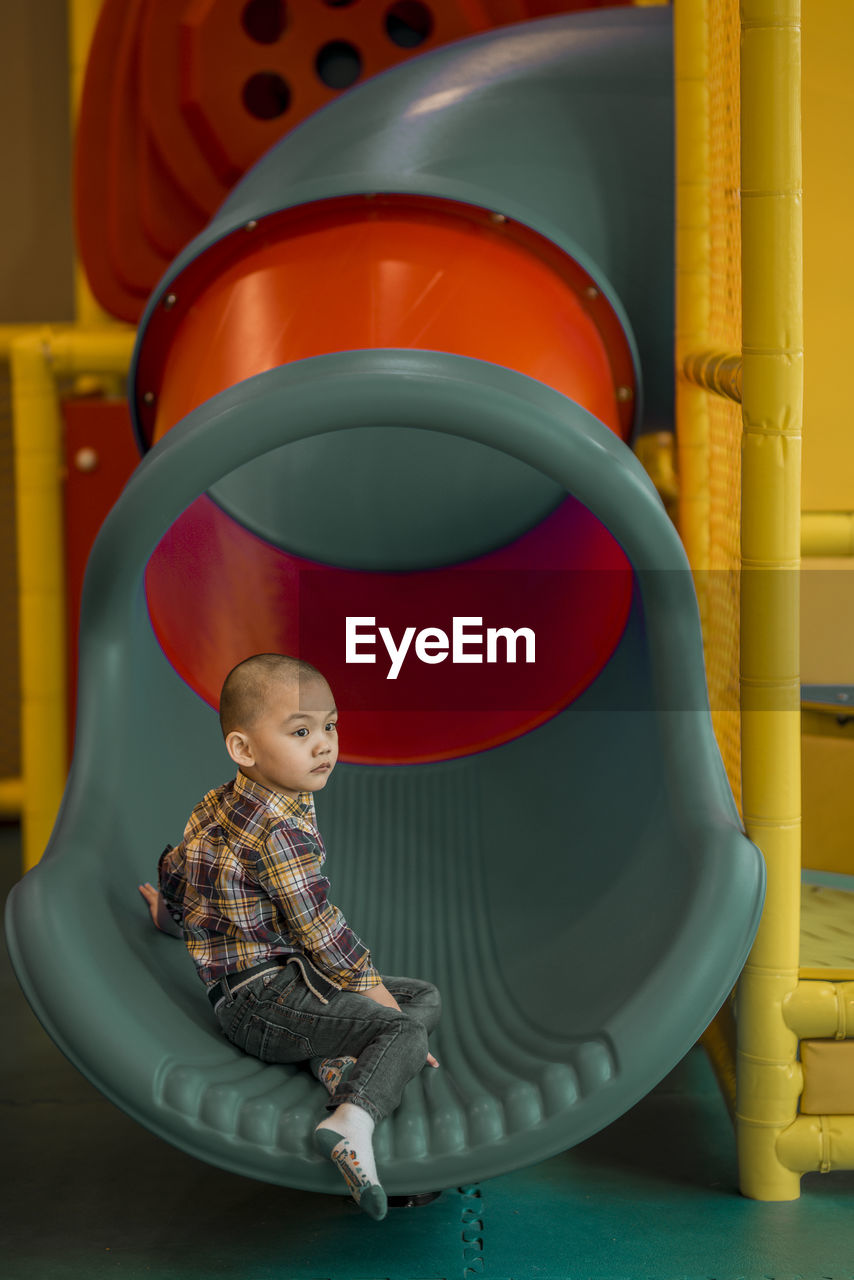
<point x="288" y="979"/>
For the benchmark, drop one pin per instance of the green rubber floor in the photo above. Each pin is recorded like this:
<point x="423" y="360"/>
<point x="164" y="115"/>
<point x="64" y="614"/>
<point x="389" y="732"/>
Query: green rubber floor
<point x="88" y="1193"/>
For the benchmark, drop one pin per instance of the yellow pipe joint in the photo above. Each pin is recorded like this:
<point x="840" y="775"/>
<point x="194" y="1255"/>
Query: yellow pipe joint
<point x="817" y="1144"/>
<point x="715" y="371"/>
<point x="818" y="1009"/>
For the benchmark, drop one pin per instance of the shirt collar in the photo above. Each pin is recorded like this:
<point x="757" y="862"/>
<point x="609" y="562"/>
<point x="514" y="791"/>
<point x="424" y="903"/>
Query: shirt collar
<point x="302" y="807"/>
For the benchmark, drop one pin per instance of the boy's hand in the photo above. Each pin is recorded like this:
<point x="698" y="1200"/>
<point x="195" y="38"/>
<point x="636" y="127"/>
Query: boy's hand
<point x="160" y="916"/>
<point x="381" y="995"/>
<point x="152" y="897"/>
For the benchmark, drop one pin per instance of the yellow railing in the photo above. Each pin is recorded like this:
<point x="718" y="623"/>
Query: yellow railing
<point x="769" y="1081"/>
<point x="763" y="450"/>
<point x="38" y="359"/>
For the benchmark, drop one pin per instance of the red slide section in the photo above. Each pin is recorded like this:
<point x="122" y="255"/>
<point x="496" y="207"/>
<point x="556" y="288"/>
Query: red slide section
<point x="383" y="271"/>
<point x="567" y="582"/>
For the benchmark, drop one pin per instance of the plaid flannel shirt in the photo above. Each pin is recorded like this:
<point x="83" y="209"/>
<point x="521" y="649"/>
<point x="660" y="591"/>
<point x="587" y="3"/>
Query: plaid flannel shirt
<point x="245" y="886"/>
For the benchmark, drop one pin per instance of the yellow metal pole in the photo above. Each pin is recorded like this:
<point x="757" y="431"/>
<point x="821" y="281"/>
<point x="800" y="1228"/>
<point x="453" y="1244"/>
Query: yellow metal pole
<point x="96" y="351"/>
<point x="769" y="1079"/>
<point x="41" y="589"/>
<point x="37" y="357"/>
<point x="9" y="333"/>
<point x="692" y="279"/>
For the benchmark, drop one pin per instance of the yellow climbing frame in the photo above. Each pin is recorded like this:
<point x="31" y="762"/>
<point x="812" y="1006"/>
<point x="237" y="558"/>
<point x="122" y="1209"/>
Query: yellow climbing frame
<point x="739" y="357"/>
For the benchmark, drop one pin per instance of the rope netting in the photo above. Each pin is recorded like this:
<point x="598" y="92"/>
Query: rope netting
<point x="718" y="579"/>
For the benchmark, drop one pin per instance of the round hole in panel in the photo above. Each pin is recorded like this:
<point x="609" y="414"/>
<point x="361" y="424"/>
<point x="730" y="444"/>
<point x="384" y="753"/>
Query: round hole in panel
<point x="264" y="21"/>
<point x="339" y="64"/>
<point x="408" y="23"/>
<point x="266" y="95"/>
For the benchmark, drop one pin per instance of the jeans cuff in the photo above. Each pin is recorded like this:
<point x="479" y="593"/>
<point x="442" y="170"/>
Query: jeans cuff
<point x="357" y="1099"/>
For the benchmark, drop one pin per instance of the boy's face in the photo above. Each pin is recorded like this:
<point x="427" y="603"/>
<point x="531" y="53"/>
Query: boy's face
<point x="293" y="746"/>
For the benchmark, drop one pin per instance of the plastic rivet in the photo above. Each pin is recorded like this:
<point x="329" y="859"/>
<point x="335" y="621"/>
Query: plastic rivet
<point x="251" y="224"/>
<point x="86" y="459"/>
<point x="498" y="217"/>
<point x="624" y="394"/>
<point x="591" y="292"/>
<point x="148" y="398"/>
<point x="169" y="301"/>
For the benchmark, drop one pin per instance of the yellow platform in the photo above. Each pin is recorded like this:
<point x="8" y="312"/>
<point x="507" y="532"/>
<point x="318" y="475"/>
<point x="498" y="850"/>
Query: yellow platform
<point x="827" y="933"/>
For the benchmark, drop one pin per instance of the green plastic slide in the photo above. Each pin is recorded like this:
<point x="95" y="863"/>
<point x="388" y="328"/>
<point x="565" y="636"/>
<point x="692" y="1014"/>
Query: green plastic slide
<point x="582" y="893"/>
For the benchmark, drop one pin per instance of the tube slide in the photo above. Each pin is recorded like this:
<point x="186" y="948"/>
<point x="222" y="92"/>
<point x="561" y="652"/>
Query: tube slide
<point x="384" y="400"/>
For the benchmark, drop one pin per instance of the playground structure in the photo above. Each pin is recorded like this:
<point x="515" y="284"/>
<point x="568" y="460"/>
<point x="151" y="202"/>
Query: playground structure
<point x="548" y="1094"/>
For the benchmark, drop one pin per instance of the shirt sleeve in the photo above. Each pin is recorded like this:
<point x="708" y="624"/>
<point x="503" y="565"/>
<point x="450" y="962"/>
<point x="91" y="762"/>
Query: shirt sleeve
<point x="289" y="870"/>
<point x="172" y="882"/>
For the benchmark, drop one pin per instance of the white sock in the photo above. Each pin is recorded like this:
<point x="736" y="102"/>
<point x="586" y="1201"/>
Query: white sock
<point x="346" y="1137"/>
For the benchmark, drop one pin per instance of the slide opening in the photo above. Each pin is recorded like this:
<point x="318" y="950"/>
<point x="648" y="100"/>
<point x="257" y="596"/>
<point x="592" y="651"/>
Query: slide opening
<point x="426" y="664"/>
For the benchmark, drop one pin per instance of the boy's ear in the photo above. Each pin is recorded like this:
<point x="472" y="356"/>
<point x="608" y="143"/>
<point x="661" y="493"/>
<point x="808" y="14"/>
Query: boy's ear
<point x="238" y="747"/>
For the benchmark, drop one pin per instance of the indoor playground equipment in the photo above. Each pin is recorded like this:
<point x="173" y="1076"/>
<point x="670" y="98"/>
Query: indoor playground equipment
<point x="446" y="294"/>
<point x="390" y="384"/>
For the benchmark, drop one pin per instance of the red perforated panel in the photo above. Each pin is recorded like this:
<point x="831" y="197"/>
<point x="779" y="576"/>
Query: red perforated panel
<point x="182" y="96"/>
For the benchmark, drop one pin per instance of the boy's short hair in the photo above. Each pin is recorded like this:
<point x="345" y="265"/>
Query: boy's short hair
<point x="246" y="687"/>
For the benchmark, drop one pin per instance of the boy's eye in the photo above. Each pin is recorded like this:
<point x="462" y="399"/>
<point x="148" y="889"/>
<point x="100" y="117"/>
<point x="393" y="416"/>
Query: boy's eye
<point x="333" y="724"/>
<point x="300" y="733"/>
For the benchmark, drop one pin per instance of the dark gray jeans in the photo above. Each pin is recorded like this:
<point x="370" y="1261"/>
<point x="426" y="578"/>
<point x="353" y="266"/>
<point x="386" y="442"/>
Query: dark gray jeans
<point x="278" y="1019"/>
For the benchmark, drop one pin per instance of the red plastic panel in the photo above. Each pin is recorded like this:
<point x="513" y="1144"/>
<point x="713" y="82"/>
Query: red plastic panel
<point x="217" y="593"/>
<point x="182" y="96"/>
<point x="100" y="455"/>
<point x="320" y="49"/>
